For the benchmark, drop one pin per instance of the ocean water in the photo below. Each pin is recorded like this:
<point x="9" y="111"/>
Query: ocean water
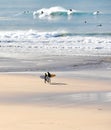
<point x="37" y="28"/>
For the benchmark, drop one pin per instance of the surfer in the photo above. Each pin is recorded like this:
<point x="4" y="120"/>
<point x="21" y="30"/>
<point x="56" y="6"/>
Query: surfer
<point x="45" y="78"/>
<point x="99" y="25"/>
<point x="85" y="21"/>
<point x="49" y="77"/>
<point x="70" y="9"/>
<point x="42" y="12"/>
<point x="97" y="12"/>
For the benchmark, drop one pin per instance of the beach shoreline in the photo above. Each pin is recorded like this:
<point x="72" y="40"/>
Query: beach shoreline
<point x="68" y="40"/>
<point x="35" y="63"/>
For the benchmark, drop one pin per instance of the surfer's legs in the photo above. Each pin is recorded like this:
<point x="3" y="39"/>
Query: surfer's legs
<point x="45" y="78"/>
<point x="48" y="79"/>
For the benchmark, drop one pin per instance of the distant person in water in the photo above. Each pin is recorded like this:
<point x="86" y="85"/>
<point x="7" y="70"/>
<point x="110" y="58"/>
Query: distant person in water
<point x="97" y="12"/>
<point x="99" y="25"/>
<point x="70" y="9"/>
<point x="42" y="12"/>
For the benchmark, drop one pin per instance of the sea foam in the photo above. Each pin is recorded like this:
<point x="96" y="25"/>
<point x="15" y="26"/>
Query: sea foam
<point x="59" y="43"/>
<point x="60" y="11"/>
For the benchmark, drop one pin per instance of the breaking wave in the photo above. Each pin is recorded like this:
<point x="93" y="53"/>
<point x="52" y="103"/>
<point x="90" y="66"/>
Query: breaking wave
<point x="10" y="36"/>
<point x="56" y="11"/>
<point x="60" y="11"/>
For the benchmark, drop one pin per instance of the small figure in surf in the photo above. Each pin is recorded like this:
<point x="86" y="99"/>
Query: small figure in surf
<point x="42" y="12"/>
<point x="85" y="21"/>
<point x="99" y="25"/>
<point x="26" y="12"/>
<point x="97" y="12"/>
<point x="70" y="9"/>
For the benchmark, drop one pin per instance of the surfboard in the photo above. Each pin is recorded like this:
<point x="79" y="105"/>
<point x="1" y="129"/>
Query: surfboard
<point x="52" y="75"/>
<point x="42" y="76"/>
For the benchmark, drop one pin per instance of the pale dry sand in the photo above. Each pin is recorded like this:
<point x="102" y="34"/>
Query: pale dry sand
<point x="18" y="114"/>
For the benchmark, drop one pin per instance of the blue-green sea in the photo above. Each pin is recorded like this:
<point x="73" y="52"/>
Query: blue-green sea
<point x="31" y="29"/>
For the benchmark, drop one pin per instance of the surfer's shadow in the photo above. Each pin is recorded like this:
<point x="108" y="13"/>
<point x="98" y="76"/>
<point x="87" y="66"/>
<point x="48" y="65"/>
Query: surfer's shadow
<point x="56" y="83"/>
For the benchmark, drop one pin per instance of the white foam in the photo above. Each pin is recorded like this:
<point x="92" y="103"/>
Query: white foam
<point x="97" y="12"/>
<point x="47" y="12"/>
<point x="50" y="10"/>
<point x="56" y="43"/>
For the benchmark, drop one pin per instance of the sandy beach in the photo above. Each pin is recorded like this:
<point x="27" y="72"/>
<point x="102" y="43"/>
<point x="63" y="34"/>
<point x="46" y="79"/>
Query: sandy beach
<point x="68" y="38"/>
<point x="26" y="102"/>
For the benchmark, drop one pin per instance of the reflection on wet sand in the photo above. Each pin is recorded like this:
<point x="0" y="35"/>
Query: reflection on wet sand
<point x="76" y="98"/>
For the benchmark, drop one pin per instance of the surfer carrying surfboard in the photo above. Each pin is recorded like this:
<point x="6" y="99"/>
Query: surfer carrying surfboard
<point x="49" y="77"/>
<point x="45" y="78"/>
